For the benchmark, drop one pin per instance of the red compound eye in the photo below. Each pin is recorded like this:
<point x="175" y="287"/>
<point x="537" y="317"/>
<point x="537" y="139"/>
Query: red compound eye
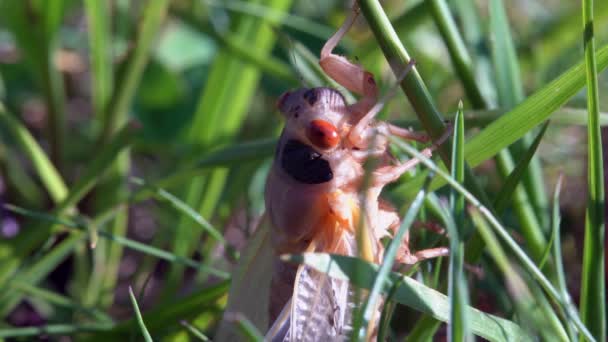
<point x="322" y="134"/>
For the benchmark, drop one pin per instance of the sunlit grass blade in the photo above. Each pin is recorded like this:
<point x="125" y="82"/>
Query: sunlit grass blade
<point x="248" y="331"/>
<point x="57" y="299"/>
<point x="510" y="127"/>
<point x="54" y="329"/>
<point x="459" y="329"/>
<point x="524" y="259"/>
<point x="593" y="285"/>
<point x="508" y="187"/>
<point x="45" y="169"/>
<point x="557" y="251"/>
<point x="181" y="207"/>
<point x="99" y="22"/>
<point x="140" y="320"/>
<point x="510" y="91"/>
<point x="526" y="304"/>
<point x="411" y="293"/>
<point x="370" y="306"/>
<point x="194" y="331"/>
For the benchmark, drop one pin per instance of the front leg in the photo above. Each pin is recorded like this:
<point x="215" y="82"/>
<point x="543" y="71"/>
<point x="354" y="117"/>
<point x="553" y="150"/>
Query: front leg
<point x="351" y="76"/>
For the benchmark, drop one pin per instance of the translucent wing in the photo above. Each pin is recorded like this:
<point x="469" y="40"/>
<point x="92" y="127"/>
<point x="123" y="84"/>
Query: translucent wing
<point x="250" y="287"/>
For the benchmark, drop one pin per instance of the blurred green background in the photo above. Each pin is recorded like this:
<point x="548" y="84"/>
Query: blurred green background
<point x="145" y="129"/>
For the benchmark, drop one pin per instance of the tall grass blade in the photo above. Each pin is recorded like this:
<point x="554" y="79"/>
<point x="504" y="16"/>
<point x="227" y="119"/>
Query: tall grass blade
<point x="593" y="285"/>
<point x="459" y="329"/>
<point x="140" y="320"/>
<point x="45" y="169"/>
<point x="372" y="302"/>
<point x="504" y="195"/>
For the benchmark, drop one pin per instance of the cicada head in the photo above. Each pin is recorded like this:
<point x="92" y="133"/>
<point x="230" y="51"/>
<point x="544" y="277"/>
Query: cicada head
<point x="314" y="116"/>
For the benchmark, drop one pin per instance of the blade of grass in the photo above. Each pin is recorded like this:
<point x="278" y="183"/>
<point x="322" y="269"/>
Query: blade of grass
<point x="59" y="300"/>
<point x="53" y="329"/>
<point x="410" y="293"/>
<point x="248" y="331"/>
<point x="140" y="320"/>
<point x="513" y="125"/>
<point x="510" y="93"/>
<point x="526" y="305"/>
<point x="99" y="20"/>
<point x="593" y="286"/>
<point x="370" y="306"/>
<point x="508" y="187"/>
<point x="194" y="331"/>
<point x="47" y="173"/>
<point x="459" y="329"/>
<point x="557" y="252"/>
<point x="182" y="207"/>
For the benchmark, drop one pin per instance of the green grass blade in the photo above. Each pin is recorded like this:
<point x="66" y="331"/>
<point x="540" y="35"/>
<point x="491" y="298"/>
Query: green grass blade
<point x="527" y="305"/>
<point x="593" y="285"/>
<point x="54" y="329"/>
<point x="99" y="21"/>
<point x="412" y="294"/>
<point x="247" y="329"/>
<point x="181" y="207"/>
<point x="458" y="52"/>
<point x="510" y="127"/>
<point x="140" y="320"/>
<point x="194" y="331"/>
<point x="47" y="173"/>
<point x="504" y="195"/>
<point x="557" y="252"/>
<point x="370" y="306"/>
<point x="510" y="93"/>
<point x="459" y="329"/>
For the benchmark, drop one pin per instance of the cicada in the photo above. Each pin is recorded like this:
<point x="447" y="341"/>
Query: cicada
<point x="315" y="201"/>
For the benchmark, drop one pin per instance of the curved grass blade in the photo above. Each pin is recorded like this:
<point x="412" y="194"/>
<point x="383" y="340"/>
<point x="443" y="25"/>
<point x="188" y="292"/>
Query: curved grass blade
<point x="194" y="331"/>
<point x="593" y="285"/>
<point x="557" y="252"/>
<point x="369" y="308"/>
<point x="411" y="293"/>
<point x="140" y="320"/>
<point x="511" y="126"/>
<point x="504" y="195"/>
<point x="182" y="207"/>
<point x="45" y="169"/>
<point x="528" y="306"/>
<point x="459" y="329"/>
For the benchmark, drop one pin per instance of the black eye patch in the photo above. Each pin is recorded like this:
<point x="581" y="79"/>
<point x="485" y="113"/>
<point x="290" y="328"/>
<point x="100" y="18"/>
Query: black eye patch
<point x="311" y="96"/>
<point x="304" y="164"/>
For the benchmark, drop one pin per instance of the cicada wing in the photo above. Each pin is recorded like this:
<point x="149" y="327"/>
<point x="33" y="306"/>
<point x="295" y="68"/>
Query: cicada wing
<point x="320" y="310"/>
<point x="250" y="286"/>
